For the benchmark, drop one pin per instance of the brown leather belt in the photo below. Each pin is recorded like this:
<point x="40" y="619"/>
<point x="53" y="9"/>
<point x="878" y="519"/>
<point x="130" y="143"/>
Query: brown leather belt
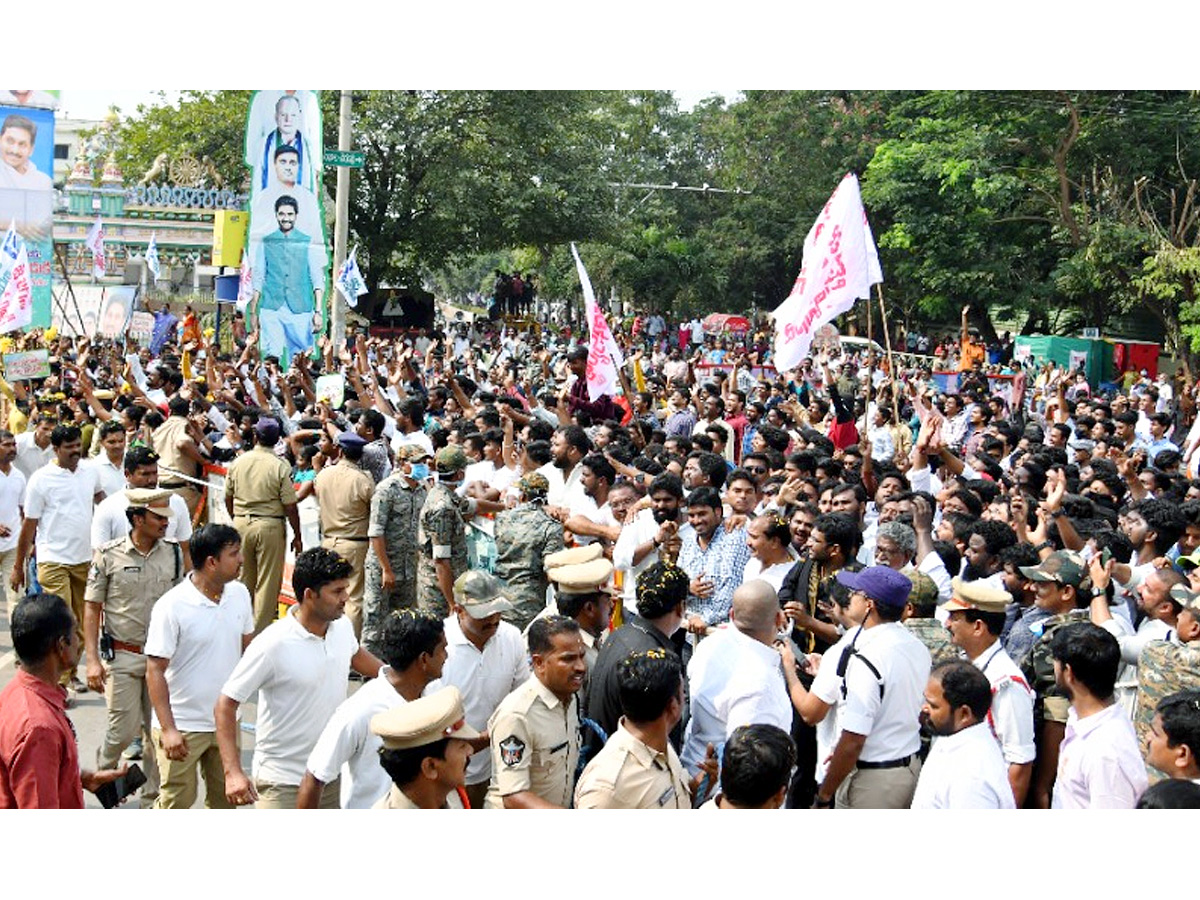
<point x="128" y="648"/>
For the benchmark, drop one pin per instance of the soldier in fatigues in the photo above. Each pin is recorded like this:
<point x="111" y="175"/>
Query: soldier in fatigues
<point x="344" y="495"/>
<point x="525" y="536"/>
<point x="391" y="567"/>
<point x="1167" y="667"/>
<point x="442" y="534"/>
<point x="1064" y="590"/>
<point x="259" y="497"/>
<point x="126" y="578"/>
<point x="425" y="750"/>
<point x="534" y="732"/>
<point x="920" y="618"/>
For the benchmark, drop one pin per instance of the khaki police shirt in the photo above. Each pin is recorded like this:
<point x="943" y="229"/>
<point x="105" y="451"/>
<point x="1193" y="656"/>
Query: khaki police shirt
<point x="127" y="584"/>
<point x="627" y="774"/>
<point x="534" y="744"/>
<point x="167" y="439"/>
<point x="260" y="484"/>
<point x="344" y="495"/>
<point x="396" y="798"/>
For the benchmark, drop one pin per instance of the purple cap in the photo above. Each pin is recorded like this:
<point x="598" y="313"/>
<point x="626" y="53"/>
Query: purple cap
<point x="881" y="583"/>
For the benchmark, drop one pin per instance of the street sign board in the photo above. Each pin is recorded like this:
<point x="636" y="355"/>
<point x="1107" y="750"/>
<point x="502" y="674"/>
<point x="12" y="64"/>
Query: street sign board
<point x="352" y="159"/>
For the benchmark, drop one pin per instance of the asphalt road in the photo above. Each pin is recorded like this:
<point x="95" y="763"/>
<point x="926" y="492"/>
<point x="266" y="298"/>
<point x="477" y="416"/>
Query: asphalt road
<point x="89" y="716"/>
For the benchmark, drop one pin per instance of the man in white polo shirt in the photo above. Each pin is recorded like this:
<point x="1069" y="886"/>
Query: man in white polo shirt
<point x="141" y="471"/>
<point x="486" y="662"/>
<point x="33" y="447"/>
<point x="60" y="497"/>
<point x="197" y="633"/>
<point x="12" y="498"/>
<point x="413" y="647"/>
<point x="108" y="463"/>
<point x="298" y="669"/>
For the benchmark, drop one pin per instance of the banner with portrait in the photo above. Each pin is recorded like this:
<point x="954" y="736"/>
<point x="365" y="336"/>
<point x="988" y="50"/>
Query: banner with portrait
<point x="27" y="187"/>
<point x="286" y="247"/>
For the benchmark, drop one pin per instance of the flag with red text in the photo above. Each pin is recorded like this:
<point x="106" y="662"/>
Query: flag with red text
<point x="604" y="356"/>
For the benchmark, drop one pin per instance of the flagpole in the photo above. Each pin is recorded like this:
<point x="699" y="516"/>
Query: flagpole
<point x="870" y="374"/>
<point x="887" y="338"/>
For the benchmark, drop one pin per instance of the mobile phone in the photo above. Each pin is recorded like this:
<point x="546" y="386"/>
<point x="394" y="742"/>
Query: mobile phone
<point x="114" y="792"/>
<point x="1105" y="556"/>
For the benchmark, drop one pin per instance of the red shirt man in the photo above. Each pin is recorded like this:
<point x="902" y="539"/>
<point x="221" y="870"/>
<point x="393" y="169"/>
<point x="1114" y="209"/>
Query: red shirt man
<point x="39" y="759"/>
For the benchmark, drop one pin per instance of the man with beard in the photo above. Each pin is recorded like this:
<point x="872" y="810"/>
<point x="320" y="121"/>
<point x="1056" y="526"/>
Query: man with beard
<point x="1099" y="763"/>
<point x="985" y="540"/>
<point x="964" y="769"/>
<point x="806" y="592"/>
<point x="578" y="400"/>
<point x="569" y="445"/>
<point x="637" y="549"/>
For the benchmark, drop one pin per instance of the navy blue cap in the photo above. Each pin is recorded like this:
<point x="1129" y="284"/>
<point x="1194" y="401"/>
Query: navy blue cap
<point x="267" y="428"/>
<point x="350" y="440"/>
<point x="882" y="584"/>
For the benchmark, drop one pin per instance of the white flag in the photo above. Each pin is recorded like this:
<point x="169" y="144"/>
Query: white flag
<point x="840" y="264"/>
<point x="350" y="281"/>
<point x="152" y="257"/>
<point x="95" y="243"/>
<point x="245" y="283"/>
<point x="16" y="301"/>
<point x="604" y="356"/>
<point x="8" y="255"/>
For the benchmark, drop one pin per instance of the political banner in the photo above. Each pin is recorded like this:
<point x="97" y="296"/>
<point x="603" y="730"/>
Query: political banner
<point x="350" y="281"/>
<point x="604" y="356"/>
<point x="839" y="266"/>
<point x="27" y="188"/>
<point x="287" y="256"/>
<point x="27" y="365"/>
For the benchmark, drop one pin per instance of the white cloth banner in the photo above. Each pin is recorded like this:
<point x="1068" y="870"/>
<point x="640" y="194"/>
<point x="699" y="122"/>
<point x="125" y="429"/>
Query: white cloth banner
<point x="604" y="356"/>
<point x="350" y="281"/>
<point x="152" y="257"/>
<point x="245" y="283"/>
<point x="16" y="285"/>
<point x="95" y="243"/>
<point x="1078" y="361"/>
<point x="839" y="266"/>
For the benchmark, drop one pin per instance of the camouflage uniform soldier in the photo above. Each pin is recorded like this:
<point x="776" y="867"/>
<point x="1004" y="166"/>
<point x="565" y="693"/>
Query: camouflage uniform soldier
<point x="392" y="557"/>
<point x="1166" y="667"/>
<point x="1064" y="590"/>
<point x="524" y="537"/>
<point x="920" y="618"/>
<point x="442" y="534"/>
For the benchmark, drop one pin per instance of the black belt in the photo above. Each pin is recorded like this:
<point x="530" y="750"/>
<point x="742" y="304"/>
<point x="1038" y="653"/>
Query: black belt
<point x="890" y="764"/>
<point x="174" y="484"/>
<point x="332" y="538"/>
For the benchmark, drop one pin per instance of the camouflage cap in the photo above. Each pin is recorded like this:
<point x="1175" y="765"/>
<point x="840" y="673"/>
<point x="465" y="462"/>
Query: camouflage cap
<point x="1186" y="598"/>
<point x="451" y="458"/>
<point x="411" y="452"/>
<point x="533" y="486"/>
<point x="481" y="594"/>
<point x="1062" y="566"/>
<point x="924" y="589"/>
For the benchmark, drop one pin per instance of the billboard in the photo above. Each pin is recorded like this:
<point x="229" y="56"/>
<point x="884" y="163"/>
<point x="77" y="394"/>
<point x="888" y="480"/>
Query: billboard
<point x="289" y="261"/>
<point x="26" y="186"/>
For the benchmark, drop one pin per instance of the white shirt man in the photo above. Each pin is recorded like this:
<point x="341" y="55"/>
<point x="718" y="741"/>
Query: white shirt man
<point x="12" y="498"/>
<point x="300" y="680"/>
<point x="964" y="770"/>
<point x="1099" y="763"/>
<point x="734" y="680"/>
<point x="62" y="501"/>
<point x="31" y="457"/>
<point x="484" y="678"/>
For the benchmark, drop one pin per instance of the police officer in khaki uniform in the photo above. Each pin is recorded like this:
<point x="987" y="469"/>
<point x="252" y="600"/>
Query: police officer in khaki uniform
<point x="126" y="578"/>
<point x="426" y="745"/>
<point x="344" y="493"/>
<point x="583" y="592"/>
<point x="259" y="496"/>
<point x="177" y="451"/>
<point x="638" y="768"/>
<point x="534" y="732"/>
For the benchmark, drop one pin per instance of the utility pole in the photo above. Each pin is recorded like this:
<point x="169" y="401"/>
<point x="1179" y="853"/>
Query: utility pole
<point x="341" y="228"/>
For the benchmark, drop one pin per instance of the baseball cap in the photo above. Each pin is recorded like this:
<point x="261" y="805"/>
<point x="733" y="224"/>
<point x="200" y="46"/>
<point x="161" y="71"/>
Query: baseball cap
<point x="882" y="584"/>
<point x="451" y="458"/>
<point x="1061" y="566"/>
<point x="481" y="594"/>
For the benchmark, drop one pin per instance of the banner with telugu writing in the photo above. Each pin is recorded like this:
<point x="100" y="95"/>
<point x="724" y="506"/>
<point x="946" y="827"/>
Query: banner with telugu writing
<point x="839" y="266"/>
<point x="604" y="356"/>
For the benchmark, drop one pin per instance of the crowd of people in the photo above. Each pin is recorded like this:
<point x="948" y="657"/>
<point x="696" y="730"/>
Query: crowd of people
<point x="720" y="587"/>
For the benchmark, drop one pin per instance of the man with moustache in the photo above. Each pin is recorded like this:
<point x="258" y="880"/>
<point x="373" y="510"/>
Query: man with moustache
<point x="638" y="548"/>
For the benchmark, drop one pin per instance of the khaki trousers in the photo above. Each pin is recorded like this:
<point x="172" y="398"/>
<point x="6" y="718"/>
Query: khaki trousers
<point x="264" y="546"/>
<point x="70" y="583"/>
<point x="191" y="496"/>
<point x="879" y="788"/>
<point x="283" y="796"/>
<point x="178" y="779"/>
<point x="128" y="701"/>
<point x="356" y="553"/>
<point x="7" y="560"/>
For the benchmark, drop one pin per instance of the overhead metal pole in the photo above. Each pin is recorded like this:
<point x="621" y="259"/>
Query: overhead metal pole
<point x="341" y="228"/>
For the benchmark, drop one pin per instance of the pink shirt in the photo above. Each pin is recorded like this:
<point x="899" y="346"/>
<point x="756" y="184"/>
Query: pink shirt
<point x="1099" y="764"/>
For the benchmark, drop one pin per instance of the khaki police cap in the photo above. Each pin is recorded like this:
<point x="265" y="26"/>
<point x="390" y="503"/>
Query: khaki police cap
<point x="976" y="595"/>
<point x="425" y="720"/>
<point x="481" y="594"/>
<point x="582" y="578"/>
<point x="573" y="556"/>
<point x="148" y="498"/>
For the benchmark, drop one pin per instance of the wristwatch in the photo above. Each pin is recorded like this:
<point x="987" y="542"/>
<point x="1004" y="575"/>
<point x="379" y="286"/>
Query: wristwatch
<point x="818" y="803"/>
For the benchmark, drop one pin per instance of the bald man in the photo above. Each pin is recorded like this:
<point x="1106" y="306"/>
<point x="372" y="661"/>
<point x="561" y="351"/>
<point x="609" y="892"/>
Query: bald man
<point x="735" y="675"/>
